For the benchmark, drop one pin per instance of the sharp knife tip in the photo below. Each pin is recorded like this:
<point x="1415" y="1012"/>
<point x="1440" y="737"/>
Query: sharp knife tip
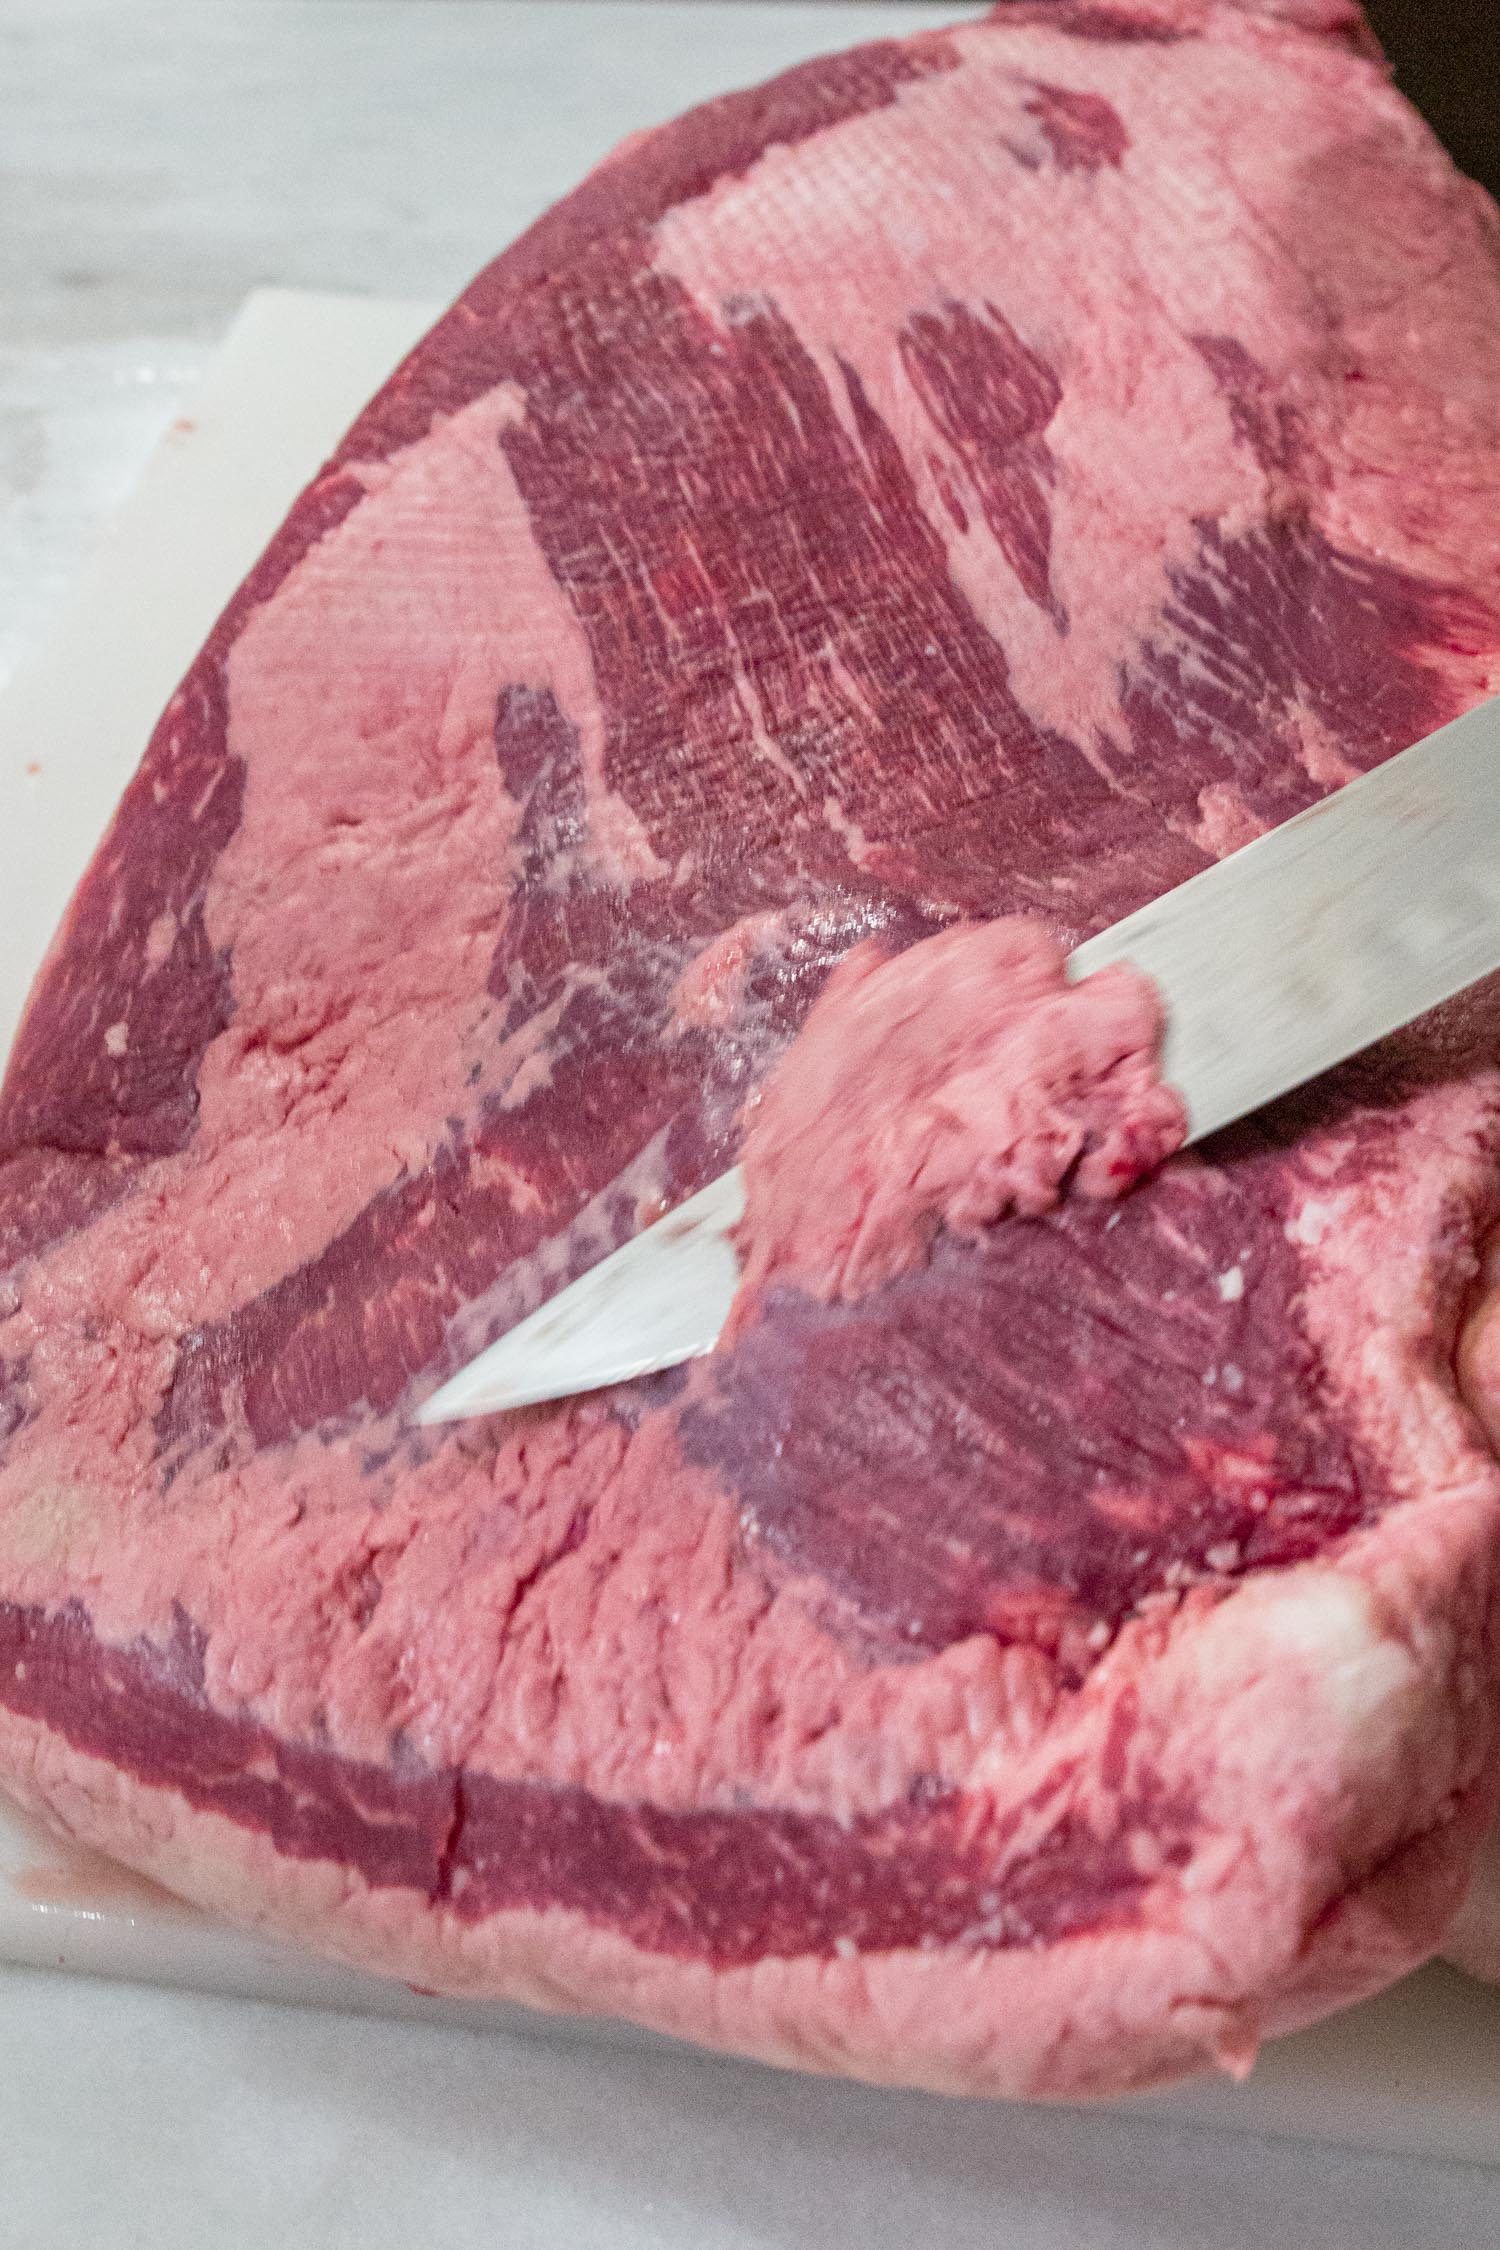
<point x="455" y="1402"/>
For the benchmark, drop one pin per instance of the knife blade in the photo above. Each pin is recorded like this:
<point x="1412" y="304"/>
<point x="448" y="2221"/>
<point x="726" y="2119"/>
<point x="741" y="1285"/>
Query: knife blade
<point x="1295" y="952"/>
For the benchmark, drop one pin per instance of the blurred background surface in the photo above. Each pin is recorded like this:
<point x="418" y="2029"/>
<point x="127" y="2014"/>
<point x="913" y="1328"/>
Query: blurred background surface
<point x="1447" y="57"/>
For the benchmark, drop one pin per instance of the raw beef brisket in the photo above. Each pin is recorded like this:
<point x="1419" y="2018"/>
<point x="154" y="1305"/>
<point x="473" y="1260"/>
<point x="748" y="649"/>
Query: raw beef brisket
<point x="986" y="475"/>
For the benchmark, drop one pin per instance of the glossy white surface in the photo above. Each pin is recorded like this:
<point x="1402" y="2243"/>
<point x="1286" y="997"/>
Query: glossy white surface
<point x="138" y="2120"/>
<point x="180" y="153"/>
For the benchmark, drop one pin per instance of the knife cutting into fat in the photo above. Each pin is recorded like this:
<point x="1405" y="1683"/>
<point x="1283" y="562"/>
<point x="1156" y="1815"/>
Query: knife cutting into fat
<point x="1295" y="952"/>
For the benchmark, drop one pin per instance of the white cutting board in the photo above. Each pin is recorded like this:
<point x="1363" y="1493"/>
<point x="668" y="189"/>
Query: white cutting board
<point x="1416" y="2071"/>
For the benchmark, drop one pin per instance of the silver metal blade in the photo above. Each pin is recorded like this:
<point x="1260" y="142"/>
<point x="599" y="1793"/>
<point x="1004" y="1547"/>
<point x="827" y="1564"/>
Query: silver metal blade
<point x="1330" y="931"/>
<point x="658" y="1300"/>
<point x="1290" y="955"/>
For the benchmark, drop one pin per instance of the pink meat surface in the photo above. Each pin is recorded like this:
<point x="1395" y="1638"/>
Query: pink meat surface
<point x="1472" y="1939"/>
<point x="986" y="475"/>
<point x="946" y="1086"/>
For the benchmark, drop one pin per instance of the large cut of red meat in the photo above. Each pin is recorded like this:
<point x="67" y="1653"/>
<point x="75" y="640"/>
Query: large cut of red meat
<point x="992" y="473"/>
